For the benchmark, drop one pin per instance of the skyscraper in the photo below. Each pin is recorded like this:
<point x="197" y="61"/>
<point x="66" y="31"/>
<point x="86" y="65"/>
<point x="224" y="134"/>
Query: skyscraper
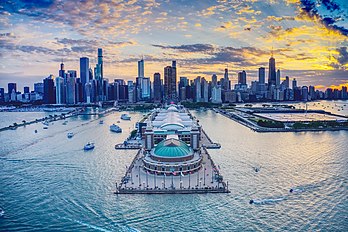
<point x="294" y="84"/>
<point x="214" y="80"/>
<point x="84" y="74"/>
<point x="62" y="71"/>
<point x="278" y="78"/>
<point x="100" y="61"/>
<point x="197" y="89"/>
<point x="59" y="90"/>
<point x="157" y="87"/>
<point x="226" y="80"/>
<point x="170" y="82"/>
<point x="271" y="72"/>
<point x="262" y="75"/>
<point x="11" y="87"/>
<point x="49" y="94"/>
<point x="70" y="89"/>
<point x="141" y="68"/>
<point x="242" y="78"/>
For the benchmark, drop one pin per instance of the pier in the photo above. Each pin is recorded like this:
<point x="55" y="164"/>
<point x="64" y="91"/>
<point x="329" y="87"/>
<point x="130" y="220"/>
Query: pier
<point x="137" y="181"/>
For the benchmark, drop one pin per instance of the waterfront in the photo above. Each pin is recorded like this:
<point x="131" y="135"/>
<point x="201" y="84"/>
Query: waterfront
<point x="48" y="182"/>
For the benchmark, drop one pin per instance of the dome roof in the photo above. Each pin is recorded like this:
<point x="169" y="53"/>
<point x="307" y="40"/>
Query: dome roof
<point x="172" y="148"/>
<point x="172" y="109"/>
<point x="172" y="126"/>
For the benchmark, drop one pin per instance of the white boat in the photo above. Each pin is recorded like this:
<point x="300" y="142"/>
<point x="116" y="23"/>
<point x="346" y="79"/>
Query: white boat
<point x="88" y="146"/>
<point x="70" y="135"/>
<point x="115" y="128"/>
<point x="125" y="117"/>
<point x="101" y="122"/>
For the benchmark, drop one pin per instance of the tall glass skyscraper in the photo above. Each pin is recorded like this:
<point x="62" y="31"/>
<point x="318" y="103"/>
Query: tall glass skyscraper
<point x="141" y="68"/>
<point x="272" y="72"/>
<point x="84" y="74"/>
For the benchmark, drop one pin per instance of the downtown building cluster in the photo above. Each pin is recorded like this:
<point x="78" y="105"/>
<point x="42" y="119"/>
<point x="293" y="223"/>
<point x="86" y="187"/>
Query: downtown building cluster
<point x="92" y="86"/>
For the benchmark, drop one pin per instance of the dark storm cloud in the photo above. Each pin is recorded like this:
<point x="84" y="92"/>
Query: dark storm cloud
<point x="309" y="7"/>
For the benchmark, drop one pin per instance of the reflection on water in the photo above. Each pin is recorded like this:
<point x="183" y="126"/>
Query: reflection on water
<point x="47" y="182"/>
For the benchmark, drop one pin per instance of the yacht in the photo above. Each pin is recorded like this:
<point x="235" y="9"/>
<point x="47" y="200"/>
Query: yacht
<point x="115" y="128"/>
<point x="70" y="135"/>
<point x="125" y="117"/>
<point x="88" y="146"/>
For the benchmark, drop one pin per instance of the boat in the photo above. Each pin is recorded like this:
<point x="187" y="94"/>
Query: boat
<point x="118" y="121"/>
<point x="101" y="122"/>
<point x="88" y="146"/>
<point x="45" y="127"/>
<point x="115" y="128"/>
<point x="65" y="122"/>
<point x="125" y="117"/>
<point x="70" y="135"/>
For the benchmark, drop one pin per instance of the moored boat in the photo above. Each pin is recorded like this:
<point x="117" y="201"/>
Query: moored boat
<point x="125" y="117"/>
<point x="115" y="128"/>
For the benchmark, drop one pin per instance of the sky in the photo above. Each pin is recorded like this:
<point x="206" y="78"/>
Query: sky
<point x="309" y="38"/>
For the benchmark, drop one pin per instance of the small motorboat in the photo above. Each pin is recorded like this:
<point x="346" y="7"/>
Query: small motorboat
<point x="45" y="127"/>
<point x="101" y="122"/>
<point x="35" y="131"/>
<point x="125" y="117"/>
<point x="65" y="122"/>
<point x="115" y="128"/>
<point x="88" y="146"/>
<point x="70" y="135"/>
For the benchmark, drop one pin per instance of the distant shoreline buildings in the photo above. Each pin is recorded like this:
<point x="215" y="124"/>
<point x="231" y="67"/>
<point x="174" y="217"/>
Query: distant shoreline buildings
<point x="91" y="86"/>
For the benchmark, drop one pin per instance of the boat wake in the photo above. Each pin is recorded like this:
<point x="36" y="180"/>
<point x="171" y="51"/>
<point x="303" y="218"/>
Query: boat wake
<point x="2" y="212"/>
<point x="267" y="201"/>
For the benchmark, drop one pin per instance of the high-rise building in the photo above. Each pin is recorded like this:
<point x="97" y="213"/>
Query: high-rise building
<point x="271" y="72"/>
<point x="26" y="89"/>
<point x="49" y="94"/>
<point x="304" y="93"/>
<point x="294" y="84"/>
<point x="157" y="87"/>
<point x="61" y="71"/>
<point x="287" y="82"/>
<point x="278" y="78"/>
<point x="59" y="90"/>
<point x="100" y="61"/>
<point x="2" y="95"/>
<point x="38" y="88"/>
<point x="204" y="90"/>
<point x="11" y="87"/>
<point x="226" y="80"/>
<point x="70" y="90"/>
<point x="146" y="89"/>
<point x="170" y="82"/>
<point x="183" y="82"/>
<point x="131" y="92"/>
<point x="214" y="80"/>
<point x="216" y="94"/>
<point x="197" y="89"/>
<point x="84" y="74"/>
<point x="242" y="78"/>
<point x="262" y="75"/>
<point x="141" y="68"/>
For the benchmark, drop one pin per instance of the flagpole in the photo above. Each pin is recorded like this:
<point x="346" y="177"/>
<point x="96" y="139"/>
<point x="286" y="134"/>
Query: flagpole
<point x="189" y="179"/>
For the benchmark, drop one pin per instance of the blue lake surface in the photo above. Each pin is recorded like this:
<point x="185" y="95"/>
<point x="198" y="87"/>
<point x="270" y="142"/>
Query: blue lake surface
<point x="48" y="183"/>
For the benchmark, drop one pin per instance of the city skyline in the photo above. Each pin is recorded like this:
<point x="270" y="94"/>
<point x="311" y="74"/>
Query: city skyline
<point x="309" y="41"/>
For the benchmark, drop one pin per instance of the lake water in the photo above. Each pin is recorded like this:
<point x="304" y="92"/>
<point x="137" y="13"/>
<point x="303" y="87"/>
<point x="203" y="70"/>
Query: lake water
<point x="47" y="181"/>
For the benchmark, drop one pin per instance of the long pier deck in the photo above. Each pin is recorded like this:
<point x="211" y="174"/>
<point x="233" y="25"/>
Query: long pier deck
<point x="207" y="180"/>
